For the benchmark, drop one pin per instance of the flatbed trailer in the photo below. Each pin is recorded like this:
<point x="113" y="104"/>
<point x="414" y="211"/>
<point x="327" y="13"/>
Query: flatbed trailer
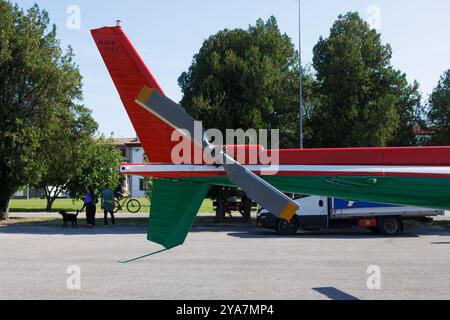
<point x="317" y="213"/>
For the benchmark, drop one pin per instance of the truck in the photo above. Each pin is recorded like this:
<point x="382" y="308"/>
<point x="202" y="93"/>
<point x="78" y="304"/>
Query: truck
<point x="316" y="213"/>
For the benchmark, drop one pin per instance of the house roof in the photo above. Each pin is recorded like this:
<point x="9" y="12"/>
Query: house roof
<point x="126" y="142"/>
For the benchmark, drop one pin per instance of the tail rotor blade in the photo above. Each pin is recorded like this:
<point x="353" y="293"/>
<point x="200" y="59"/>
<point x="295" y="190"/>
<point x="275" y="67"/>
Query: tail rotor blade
<point x="260" y="191"/>
<point x="171" y="113"/>
<point x="256" y="188"/>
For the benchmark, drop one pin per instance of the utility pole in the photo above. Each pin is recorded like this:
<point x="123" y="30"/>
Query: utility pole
<point x="300" y="70"/>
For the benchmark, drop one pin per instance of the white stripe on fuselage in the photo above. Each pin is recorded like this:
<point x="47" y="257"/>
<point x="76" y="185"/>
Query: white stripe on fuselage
<point x="130" y="169"/>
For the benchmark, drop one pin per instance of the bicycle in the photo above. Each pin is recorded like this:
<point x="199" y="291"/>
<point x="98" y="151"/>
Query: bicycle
<point x="132" y="205"/>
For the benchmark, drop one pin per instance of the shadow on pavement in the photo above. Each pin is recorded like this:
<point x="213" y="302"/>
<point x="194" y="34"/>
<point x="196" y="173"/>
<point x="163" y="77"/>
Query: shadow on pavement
<point x="232" y="228"/>
<point x="81" y="231"/>
<point x="325" y="234"/>
<point x="24" y="228"/>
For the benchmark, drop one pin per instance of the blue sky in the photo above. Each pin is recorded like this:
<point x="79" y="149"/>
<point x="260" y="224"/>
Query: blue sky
<point x="168" y="33"/>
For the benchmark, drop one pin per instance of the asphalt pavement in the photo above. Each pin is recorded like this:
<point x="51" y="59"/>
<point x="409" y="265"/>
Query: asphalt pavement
<point x="228" y="262"/>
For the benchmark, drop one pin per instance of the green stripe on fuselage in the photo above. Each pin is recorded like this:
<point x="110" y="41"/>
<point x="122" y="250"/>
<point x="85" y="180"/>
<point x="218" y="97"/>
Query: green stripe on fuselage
<point x="420" y="192"/>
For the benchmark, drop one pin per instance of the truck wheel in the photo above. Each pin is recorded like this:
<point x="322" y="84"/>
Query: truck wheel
<point x="286" y="228"/>
<point x="390" y="226"/>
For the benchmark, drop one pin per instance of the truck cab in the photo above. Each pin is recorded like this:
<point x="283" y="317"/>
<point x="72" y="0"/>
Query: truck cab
<point x="317" y="213"/>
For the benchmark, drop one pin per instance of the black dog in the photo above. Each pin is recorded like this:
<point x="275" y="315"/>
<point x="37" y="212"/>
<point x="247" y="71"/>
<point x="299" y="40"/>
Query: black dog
<point x="67" y="217"/>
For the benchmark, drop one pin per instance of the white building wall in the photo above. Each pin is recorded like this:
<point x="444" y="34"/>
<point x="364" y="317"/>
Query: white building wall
<point x="136" y="156"/>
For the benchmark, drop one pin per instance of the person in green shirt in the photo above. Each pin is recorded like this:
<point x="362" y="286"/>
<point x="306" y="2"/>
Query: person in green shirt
<point x="108" y="204"/>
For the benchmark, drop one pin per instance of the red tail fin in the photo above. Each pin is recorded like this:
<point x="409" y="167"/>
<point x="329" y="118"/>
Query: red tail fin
<point x="130" y="75"/>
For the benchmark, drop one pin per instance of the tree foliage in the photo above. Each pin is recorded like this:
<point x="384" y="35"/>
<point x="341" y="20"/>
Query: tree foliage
<point x="65" y="150"/>
<point x="100" y="168"/>
<point x="439" y="111"/>
<point x="246" y="79"/>
<point x="47" y="137"/>
<point x="362" y="99"/>
<point x="37" y="80"/>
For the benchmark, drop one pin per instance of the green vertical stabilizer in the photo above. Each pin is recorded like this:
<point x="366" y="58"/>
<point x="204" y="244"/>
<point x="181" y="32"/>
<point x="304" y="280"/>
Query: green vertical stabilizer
<point x="175" y="205"/>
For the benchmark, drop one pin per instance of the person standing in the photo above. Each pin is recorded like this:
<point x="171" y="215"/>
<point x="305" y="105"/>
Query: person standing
<point x="90" y="202"/>
<point x="108" y="204"/>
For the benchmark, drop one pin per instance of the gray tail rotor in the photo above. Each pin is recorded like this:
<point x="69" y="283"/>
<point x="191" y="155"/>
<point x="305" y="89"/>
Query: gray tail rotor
<point x="256" y="188"/>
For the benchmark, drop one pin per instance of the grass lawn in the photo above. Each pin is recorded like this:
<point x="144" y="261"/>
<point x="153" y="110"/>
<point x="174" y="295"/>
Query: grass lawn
<point x="38" y="205"/>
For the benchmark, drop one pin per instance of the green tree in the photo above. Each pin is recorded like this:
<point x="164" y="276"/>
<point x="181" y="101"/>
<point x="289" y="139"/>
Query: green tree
<point x="33" y="74"/>
<point x="439" y="111"/>
<point x="65" y="150"/>
<point x="362" y="99"/>
<point x="246" y="79"/>
<point x="101" y="167"/>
